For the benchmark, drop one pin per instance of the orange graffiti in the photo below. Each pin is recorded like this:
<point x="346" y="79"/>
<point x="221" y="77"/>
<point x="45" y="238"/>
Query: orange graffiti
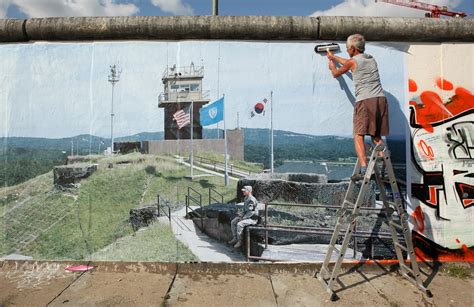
<point x="433" y="109"/>
<point x="427" y="250"/>
<point x="426" y="150"/>
<point x="412" y="87"/>
<point x="444" y="84"/>
<point x="419" y="218"/>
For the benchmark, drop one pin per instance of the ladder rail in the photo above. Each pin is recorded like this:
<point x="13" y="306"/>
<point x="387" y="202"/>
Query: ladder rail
<point x="408" y="270"/>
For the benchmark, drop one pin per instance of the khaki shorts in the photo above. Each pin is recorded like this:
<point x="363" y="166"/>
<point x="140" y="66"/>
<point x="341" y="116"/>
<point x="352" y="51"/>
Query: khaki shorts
<point x="371" y="117"/>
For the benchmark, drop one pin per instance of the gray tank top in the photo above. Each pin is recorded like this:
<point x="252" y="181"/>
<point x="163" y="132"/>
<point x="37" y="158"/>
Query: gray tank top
<point x="366" y="78"/>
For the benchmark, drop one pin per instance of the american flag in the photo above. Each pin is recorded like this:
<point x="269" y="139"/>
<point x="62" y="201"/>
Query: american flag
<point x="182" y="117"/>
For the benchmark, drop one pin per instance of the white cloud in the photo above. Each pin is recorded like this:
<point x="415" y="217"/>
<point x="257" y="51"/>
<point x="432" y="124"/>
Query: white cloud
<point x="58" y="8"/>
<point x="175" y="7"/>
<point x="4" y="4"/>
<point x="372" y="8"/>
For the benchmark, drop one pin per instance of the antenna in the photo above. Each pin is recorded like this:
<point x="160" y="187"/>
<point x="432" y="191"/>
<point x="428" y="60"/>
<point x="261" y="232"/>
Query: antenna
<point x="114" y="77"/>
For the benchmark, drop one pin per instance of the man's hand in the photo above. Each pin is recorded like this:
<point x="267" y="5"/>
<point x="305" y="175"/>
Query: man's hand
<point x="330" y="55"/>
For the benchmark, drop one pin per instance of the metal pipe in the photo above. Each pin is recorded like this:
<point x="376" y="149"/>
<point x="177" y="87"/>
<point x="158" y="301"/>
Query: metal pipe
<point x="321" y="206"/>
<point x="169" y="214"/>
<point x="215" y="7"/>
<point x="158" y="204"/>
<point x="266" y="225"/>
<point x="248" y="243"/>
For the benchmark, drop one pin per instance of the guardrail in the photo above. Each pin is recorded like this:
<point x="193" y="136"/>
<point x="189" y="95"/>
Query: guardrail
<point x="232" y="169"/>
<point x="196" y="199"/>
<point x="211" y="198"/>
<point x="159" y="205"/>
<point x="312" y="230"/>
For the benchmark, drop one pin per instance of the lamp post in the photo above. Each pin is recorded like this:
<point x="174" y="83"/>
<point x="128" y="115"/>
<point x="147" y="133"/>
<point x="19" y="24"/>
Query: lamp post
<point x="114" y="77"/>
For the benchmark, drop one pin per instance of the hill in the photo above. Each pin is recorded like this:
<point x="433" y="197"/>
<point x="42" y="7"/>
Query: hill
<point x="45" y="222"/>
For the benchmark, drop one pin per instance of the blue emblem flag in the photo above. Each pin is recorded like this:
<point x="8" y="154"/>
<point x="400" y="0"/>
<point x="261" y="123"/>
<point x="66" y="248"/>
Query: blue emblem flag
<point x="212" y="113"/>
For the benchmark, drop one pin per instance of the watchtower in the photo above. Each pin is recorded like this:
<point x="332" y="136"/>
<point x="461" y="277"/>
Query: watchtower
<point x="182" y="86"/>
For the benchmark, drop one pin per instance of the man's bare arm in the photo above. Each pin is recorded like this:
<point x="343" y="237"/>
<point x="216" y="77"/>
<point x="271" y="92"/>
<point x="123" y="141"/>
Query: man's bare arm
<point x="336" y="72"/>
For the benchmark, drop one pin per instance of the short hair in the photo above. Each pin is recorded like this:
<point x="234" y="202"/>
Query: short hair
<point x="357" y="41"/>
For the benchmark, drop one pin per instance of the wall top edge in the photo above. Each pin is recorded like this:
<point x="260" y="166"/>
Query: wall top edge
<point x="236" y="28"/>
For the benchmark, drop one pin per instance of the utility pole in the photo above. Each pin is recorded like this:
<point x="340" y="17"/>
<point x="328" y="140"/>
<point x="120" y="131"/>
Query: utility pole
<point x="215" y="7"/>
<point x="114" y="77"/>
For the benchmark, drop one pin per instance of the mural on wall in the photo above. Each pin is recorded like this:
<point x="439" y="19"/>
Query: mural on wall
<point x="59" y="99"/>
<point x="442" y="150"/>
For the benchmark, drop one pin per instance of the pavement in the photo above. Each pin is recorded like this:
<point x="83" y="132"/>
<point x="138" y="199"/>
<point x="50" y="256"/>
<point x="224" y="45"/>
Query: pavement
<point x="204" y="247"/>
<point x="36" y="283"/>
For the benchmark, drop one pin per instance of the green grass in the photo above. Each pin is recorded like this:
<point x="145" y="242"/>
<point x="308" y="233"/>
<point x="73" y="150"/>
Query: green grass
<point x="457" y="271"/>
<point x="169" y="182"/>
<point x="44" y="222"/>
<point x="154" y="243"/>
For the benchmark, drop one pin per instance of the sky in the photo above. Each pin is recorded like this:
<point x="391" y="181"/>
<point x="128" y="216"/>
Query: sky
<point x="57" y="8"/>
<point x="69" y="93"/>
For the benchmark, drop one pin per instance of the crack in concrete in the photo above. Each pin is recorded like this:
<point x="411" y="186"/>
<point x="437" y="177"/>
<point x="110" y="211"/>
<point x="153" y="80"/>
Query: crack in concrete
<point x="167" y="295"/>
<point x="273" y="289"/>
<point x="67" y="287"/>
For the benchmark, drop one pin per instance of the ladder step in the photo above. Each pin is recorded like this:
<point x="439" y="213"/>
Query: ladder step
<point x="336" y="249"/>
<point x="396" y="225"/>
<point x="349" y="203"/>
<point x="407" y="268"/>
<point x="401" y="246"/>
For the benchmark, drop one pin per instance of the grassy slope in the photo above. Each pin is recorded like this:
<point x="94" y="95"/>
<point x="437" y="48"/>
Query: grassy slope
<point x="154" y="243"/>
<point x="41" y="221"/>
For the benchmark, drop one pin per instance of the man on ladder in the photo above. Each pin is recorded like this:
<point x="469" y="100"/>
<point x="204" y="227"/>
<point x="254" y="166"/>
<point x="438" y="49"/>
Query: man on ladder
<point x="370" y="118"/>
<point x="370" y="110"/>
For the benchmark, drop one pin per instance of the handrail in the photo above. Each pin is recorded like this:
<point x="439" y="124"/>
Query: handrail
<point x="219" y="163"/>
<point x="158" y="205"/>
<point x="197" y="202"/>
<point x="310" y="230"/>
<point x="214" y="199"/>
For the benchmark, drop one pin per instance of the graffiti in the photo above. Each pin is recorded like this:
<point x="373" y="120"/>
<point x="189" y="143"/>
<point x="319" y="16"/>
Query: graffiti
<point x="460" y="137"/>
<point x="442" y="152"/>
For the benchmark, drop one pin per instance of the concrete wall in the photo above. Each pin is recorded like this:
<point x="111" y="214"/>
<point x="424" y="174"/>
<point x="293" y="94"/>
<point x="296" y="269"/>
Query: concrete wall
<point x="235" y="145"/>
<point x="426" y="65"/>
<point x="441" y="109"/>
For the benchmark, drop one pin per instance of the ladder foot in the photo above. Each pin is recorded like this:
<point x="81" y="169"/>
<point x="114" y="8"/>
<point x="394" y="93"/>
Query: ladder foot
<point x="428" y="293"/>
<point x="334" y="297"/>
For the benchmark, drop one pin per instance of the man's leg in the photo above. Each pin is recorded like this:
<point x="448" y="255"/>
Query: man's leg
<point x="240" y="229"/>
<point x="377" y="140"/>
<point x="233" y="227"/>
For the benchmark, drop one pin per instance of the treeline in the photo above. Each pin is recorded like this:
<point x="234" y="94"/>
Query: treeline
<point x="20" y="164"/>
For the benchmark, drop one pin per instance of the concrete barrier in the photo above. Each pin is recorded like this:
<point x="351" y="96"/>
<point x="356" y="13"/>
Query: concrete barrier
<point x="12" y="30"/>
<point x="397" y="29"/>
<point x="236" y="28"/>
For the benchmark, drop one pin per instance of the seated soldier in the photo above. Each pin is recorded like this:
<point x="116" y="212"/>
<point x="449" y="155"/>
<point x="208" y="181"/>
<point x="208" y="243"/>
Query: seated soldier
<point x="249" y="217"/>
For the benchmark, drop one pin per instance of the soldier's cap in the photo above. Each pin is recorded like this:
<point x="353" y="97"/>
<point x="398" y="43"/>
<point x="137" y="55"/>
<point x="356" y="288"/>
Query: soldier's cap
<point x="247" y="188"/>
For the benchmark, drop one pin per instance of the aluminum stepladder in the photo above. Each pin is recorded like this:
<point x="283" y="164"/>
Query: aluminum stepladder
<point x="347" y="217"/>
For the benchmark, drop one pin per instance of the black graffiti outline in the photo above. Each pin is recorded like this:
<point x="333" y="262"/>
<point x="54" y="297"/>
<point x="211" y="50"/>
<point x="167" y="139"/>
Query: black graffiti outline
<point x="462" y="135"/>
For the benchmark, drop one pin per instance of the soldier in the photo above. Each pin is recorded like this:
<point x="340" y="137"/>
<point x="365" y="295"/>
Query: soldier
<point x="249" y="217"/>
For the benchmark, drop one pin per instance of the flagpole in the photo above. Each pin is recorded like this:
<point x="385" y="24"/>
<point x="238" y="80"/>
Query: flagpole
<point x="226" y="174"/>
<point x="271" y="132"/>
<point x="191" y="156"/>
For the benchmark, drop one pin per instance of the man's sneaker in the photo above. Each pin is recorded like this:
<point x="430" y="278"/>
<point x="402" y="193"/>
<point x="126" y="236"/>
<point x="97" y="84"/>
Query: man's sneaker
<point x="233" y="241"/>
<point x="239" y="244"/>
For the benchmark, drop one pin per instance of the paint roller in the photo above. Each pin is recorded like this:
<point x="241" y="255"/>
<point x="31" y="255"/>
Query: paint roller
<point x="326" y="47"/>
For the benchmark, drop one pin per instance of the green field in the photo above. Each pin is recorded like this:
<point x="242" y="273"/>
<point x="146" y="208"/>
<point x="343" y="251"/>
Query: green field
<point x="42" y="221"/>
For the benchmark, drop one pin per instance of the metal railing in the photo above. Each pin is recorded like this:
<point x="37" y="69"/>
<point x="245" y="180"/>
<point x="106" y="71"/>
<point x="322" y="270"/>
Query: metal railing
<point x="195" y="199"/>
<point x="160" y="204"/>
<point x="219" y="166"/>
<point x="211" y="198"/>
<point x="311" y="230"/>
